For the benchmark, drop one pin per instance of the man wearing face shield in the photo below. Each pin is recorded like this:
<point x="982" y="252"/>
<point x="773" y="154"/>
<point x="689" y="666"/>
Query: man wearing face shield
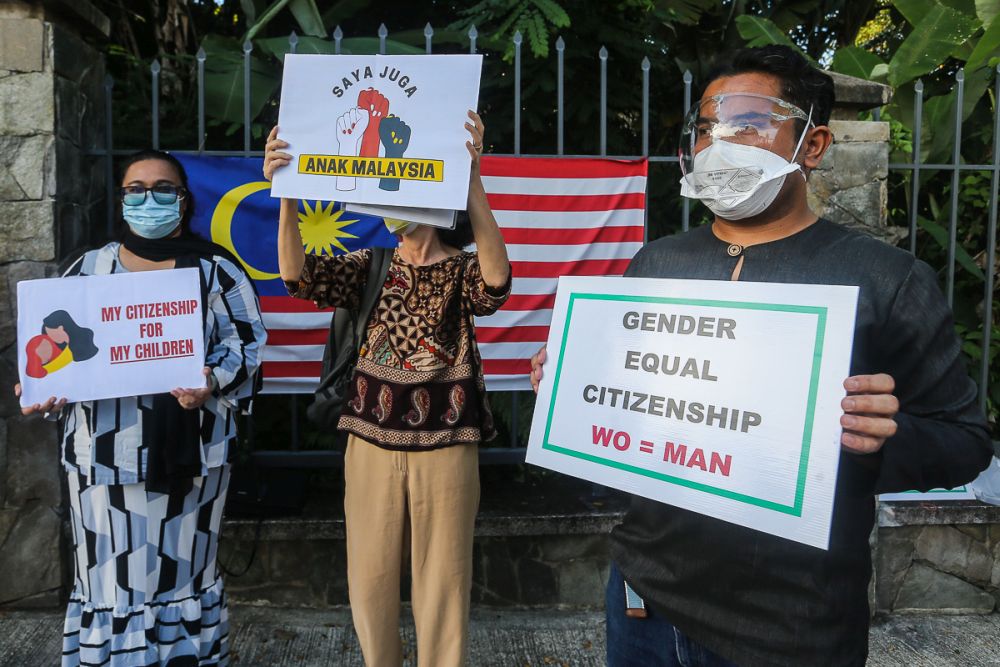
<point x="701" y="591"/>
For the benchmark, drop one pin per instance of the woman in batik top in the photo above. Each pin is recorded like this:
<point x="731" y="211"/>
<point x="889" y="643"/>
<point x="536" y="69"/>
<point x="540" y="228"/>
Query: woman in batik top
<point x="415" y="411"/>
<point x="147" y="475"/>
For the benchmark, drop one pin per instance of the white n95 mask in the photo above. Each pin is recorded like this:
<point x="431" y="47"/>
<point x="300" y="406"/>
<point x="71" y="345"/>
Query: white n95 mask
<point x="736" y="181"/>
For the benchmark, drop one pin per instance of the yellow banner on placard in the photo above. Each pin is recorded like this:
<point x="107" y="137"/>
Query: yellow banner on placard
<point x="407" y="169"/>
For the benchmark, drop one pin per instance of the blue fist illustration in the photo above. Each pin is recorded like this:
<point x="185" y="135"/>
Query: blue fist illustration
<point x="395" y="137"/>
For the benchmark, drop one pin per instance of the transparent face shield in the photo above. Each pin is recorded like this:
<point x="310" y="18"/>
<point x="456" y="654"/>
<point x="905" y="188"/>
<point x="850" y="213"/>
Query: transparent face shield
<point x="746" y="119"/>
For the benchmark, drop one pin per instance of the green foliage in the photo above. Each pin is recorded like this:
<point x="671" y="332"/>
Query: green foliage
<point x="305" y="12"/>
<point x="988" y="46"/>
<point x="933" y="39"/>
<point x="987" y="10"/>
<point x="307" y="16"/>
<point x="855" y="61"/>
<point x="758" y="31"/>
<point x="536" y="20"/>
<point x="939" y="233"/>
<point x="224" y="74"/>
<point x="687" y="12"/>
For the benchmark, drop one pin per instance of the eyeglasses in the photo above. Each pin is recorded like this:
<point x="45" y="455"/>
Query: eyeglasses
<point x="743" y="118"/>
<point x="135" y="195"/>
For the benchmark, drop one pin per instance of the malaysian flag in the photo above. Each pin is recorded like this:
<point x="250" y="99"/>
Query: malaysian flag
<point x="559" y="216"/>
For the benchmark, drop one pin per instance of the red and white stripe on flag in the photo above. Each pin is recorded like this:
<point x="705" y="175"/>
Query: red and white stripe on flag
<point x="296" y="335"/>
<point x="559" y="217"/>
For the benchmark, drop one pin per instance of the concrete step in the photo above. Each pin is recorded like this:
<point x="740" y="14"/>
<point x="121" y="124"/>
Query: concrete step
<point x="268" y="636"/>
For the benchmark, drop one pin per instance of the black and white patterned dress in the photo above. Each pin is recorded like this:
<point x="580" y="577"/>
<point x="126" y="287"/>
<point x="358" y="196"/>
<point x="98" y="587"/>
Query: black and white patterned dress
<point x="147" y="589"/>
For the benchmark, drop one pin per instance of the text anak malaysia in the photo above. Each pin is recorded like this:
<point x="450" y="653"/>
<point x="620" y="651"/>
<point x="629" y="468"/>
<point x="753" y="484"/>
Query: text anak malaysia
<point x="665" y="364"/>
<point x="153" y="349"/>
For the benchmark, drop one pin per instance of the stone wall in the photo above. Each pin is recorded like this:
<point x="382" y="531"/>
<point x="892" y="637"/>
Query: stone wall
<point x="938" y="558"/>
<point x="927" y="558"/>
<point x="519" y="559"/>
<point x="51" y="203"/>
<point x="545" y="570"/>
<point x="850" y="185"/>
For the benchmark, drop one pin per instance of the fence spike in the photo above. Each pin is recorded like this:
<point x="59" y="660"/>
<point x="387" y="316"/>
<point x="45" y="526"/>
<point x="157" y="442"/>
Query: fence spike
<point x="603" y="55"/>
<point x="517" y="93"/>
<point x="560" y="85"/>
<point x="155" y="69"/>
<point x="338" y="35"/>
<point x="645" y="108"/>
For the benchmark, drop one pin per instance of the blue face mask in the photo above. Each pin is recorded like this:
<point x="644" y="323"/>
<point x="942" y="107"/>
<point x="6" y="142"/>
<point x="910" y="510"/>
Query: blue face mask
<point x="152" y="220"/>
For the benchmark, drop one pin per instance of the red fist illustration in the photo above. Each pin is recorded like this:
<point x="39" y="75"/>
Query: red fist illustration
<point x="377" y="106"/>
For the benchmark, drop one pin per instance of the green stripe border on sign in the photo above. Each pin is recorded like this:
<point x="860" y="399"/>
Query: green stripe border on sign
<point x="795" y="509"/>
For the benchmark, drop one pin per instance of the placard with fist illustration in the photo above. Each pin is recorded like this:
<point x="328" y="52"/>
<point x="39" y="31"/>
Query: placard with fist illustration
<point x="382" y="130"/>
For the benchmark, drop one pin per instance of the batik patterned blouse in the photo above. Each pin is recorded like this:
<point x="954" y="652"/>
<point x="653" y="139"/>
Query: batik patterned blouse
<point x="103" y="440"/>
<point x="419" y="380"/>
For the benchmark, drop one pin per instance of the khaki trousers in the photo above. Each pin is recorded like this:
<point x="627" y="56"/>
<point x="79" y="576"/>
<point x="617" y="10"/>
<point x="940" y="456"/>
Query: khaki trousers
<point x="426" y="501"/>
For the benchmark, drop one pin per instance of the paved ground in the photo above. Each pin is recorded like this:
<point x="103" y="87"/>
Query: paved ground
<point x="266" y="637"/>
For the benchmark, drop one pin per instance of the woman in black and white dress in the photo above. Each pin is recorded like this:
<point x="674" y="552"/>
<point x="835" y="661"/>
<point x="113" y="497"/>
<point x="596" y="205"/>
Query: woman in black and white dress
<point x="147" y="475"/>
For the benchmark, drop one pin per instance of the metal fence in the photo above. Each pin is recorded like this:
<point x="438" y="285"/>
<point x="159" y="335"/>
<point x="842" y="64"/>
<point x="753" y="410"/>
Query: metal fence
<point x="515" y="452"/>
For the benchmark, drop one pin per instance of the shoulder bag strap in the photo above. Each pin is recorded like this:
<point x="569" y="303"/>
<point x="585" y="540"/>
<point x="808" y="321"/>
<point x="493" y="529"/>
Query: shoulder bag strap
<point x="378" y="269"/>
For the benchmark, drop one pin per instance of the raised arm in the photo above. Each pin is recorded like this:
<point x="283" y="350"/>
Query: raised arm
<point x="291" y="255"/>
<point x="493" y="261"/>
<point x="327" y="281"/>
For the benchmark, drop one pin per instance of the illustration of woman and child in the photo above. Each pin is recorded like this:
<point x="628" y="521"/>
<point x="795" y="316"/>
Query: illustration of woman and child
<point x="61" y="342"/>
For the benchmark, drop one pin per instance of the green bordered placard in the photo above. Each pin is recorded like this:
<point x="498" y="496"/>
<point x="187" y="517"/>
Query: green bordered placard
<point x="795" y="509"/>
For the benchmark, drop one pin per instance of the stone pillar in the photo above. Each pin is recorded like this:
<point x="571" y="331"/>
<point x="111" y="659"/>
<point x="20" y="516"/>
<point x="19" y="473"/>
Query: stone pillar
<point x="850" y="185"/>
<point x="51" y="203"/>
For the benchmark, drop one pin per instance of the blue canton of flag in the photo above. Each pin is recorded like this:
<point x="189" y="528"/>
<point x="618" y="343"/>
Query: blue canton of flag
<point x="234" y="208"/>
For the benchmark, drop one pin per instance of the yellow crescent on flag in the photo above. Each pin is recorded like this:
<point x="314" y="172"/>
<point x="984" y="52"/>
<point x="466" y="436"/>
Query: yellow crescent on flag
<point x="222" y="224"/>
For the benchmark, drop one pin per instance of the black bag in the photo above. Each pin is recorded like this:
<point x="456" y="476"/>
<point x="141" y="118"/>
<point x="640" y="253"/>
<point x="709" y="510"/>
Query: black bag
<point x="347" y="331"/>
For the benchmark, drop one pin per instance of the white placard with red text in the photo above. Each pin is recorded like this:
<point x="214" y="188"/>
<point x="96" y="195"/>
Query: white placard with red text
<point x="719" y="397"/>
<point x="92" y="337"/>
<point x="381" y="130"/>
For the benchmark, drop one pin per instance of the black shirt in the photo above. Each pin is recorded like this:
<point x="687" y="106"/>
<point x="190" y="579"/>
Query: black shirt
<point x="758" y="599"/>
